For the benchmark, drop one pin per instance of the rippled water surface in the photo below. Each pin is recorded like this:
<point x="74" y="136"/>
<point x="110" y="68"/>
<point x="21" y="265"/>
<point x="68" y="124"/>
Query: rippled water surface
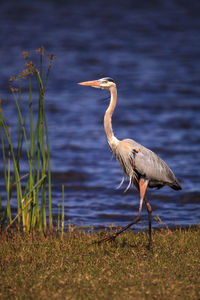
<point x="151" y="49"/>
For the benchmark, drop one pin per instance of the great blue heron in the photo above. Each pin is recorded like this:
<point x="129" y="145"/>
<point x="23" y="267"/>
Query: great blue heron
<point x="143" y="167"/>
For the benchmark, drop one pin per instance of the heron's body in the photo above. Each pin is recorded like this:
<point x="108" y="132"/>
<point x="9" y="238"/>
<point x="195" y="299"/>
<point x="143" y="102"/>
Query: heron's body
<point x="138" y="161"/>
<point x="142" y="166"/>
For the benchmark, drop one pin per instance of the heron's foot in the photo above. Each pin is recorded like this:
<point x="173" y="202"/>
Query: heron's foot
<point x="107" y="239"/>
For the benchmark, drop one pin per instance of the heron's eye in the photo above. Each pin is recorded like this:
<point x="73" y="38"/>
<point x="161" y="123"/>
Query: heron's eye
<point x="105" y="81"/>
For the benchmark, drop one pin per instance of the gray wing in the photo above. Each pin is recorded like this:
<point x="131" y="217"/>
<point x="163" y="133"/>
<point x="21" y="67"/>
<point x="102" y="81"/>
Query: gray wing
<point x="149" y="165"/>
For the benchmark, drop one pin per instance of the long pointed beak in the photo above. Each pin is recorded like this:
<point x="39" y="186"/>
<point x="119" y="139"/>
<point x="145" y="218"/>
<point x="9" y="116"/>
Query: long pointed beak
<point x="94" y="83"/>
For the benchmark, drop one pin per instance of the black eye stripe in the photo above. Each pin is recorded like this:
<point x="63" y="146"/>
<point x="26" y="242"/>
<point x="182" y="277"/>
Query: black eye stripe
<point x="108" y="79"/>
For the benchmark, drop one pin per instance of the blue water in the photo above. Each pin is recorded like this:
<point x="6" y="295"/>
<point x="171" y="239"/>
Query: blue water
<point x="151" y="49"/>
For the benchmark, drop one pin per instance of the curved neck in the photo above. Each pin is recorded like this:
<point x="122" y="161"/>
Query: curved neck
<point x="108" y="117"/>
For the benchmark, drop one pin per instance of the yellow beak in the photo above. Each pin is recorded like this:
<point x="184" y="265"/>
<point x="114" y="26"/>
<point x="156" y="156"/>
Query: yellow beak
<point x="94" y="83"/>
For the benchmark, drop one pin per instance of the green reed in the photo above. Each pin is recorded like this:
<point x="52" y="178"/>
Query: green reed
<point x="63" y="214"/>
<point x="31" y="196"/>
<point x="61" y="217"/>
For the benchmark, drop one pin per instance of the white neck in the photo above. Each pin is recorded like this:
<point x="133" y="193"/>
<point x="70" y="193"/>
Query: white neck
<point x="112" y="140"/>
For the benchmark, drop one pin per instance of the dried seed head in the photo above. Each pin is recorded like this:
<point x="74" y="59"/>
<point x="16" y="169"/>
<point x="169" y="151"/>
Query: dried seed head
<point x="13" y="78"/>
<point x="13" y="89"/>
<point x="41" y="51"/>
<point x="25" y="54"/>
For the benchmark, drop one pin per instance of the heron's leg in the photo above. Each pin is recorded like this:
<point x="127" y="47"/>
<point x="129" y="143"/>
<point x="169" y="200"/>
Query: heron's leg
<point x="142" y="188"/>
<point x="148" y="206"/>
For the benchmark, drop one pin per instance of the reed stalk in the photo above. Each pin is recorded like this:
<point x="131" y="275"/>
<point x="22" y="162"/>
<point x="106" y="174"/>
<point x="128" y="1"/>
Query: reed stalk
<point x="28" y="202"/>
<point x="5" y="170"/>
<point x="58" y="221"/>
<point x="19" y="148"/>
<point x="16" y="172"/>
<point x="31" y="200"/>
<point x="9" y="219"/>
<point x="42" y="92"/>
<point x="1" y="213"/>
<point x="63" y="212"/>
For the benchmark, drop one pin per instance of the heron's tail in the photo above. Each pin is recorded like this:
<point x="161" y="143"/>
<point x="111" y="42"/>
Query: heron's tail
<point x="175" y="185"/>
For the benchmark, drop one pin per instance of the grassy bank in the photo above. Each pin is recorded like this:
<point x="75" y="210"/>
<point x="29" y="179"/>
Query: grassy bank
<point x="35" y="267"/>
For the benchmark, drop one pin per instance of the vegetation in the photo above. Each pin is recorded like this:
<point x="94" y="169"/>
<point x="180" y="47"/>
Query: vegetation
<point x="35" y="267"/>
<point x="32" y="191"/>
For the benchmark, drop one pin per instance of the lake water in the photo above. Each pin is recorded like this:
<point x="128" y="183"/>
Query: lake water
<point x="152" y="50"/>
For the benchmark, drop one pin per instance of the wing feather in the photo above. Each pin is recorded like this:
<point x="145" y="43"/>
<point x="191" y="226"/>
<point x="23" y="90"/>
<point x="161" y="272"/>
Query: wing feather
<point x="135" y="158"/>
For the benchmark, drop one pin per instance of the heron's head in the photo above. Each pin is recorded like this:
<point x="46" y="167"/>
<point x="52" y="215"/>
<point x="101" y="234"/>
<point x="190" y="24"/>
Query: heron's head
<point x="103" y="83"/>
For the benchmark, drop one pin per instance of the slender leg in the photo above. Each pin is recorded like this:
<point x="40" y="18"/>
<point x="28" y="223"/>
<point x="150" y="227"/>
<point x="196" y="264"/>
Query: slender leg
<point x="142" y="185"/>
<point x="148" y="206"/>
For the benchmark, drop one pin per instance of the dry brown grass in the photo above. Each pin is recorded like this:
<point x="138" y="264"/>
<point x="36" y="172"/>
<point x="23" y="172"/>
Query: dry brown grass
<point x="51" y="268"/>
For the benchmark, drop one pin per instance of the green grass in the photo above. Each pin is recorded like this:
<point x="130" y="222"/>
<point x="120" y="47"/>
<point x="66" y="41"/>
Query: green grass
<point x="38" y="267"/>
